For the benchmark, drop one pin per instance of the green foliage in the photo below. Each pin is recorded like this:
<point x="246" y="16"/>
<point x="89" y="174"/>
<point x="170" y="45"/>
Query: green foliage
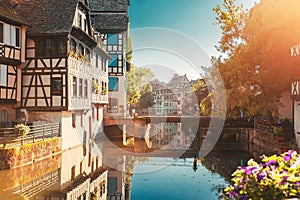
<point x="136" y="79"/>
<point x="257" y="47"/>
<point x="146" y="100"/>
<point x="277" y="177"/>
<point x="135" y="96"/>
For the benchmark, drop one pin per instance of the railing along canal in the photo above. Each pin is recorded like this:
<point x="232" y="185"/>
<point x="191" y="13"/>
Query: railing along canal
<point x="8" y="137"/>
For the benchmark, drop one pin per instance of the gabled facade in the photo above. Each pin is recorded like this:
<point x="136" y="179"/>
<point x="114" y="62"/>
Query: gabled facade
<point x="65" y="77"/>
<point x="182" y="87"/>
<point x="110" y="17"/>
<point x="12" y="58"/>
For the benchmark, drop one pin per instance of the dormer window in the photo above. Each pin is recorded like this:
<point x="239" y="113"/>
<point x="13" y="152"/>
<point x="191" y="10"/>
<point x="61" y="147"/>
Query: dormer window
<point x="85" y="25"/>
<point x="10" y="34"/>
<point x="79" y="20"/>
<point x="50" y="47"/>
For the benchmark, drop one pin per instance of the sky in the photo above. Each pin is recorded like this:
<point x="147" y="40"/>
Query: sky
<point x="175" y="24"/>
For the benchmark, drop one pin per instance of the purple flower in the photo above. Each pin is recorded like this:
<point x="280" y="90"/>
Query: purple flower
<point x="233" y="194"/>
<point x="260" y="176"/>
<point x="288" y="156"/>
<point x="272" y="162"/>
<point x="249" y="170"/>
<point x="283" y="180"/>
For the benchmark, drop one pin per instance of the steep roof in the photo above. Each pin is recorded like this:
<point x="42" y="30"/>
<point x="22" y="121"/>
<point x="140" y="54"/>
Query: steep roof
<point x="48" y="16"/>
<point x="109" y="5"/>
<point x="110" y="16"/>
<point x="177" y="79"/>
<point x="8" y="15"/>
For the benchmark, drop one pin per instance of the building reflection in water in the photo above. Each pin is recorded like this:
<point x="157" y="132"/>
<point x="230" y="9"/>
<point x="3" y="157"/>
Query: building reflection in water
<point x="100" y="171"/>
<point x="70" y="175"/>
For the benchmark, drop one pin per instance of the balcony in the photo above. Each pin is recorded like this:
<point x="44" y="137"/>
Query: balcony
<point x="99" y="98"/>
<point x="10" y="55"/>
<point x="9" y="138"/>
<point x="78" y="103"/>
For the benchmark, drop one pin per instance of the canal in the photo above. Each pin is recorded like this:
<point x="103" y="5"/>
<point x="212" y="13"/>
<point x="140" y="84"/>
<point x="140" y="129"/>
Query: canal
<point x="163" y="163"/>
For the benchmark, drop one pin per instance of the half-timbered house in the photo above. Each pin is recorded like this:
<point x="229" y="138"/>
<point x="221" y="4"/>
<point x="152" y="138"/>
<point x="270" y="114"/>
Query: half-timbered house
<point x="65" y="76"/>
<point x="12" y="58"/>
<point x="110" y="17"/>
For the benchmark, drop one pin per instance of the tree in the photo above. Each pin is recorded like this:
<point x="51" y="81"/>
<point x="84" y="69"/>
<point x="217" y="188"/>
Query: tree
<point x="203" y="96"/>
<point x="134" y="97"/>
<point x="136" y="79"/>
<point x="256" y="45"/>
<point x="147" y="97"/>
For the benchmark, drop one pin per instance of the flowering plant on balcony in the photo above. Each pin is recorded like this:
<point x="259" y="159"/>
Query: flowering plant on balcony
<point x="73" y="54"/>
<point x="104" y="91"/>
<point x="21" y="129"/>
<point x="96" y="86"/>
<point x="277" y="177"/>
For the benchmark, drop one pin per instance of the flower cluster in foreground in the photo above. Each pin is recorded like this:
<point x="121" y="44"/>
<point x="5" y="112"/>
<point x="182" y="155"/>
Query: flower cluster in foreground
<point x="277" y="177"/>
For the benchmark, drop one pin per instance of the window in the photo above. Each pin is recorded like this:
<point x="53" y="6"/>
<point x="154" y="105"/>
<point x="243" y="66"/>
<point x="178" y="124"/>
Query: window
<point x="74" y="87"/>
<point x="85" y="88"/>
<point x="112" y="38"/>
<point x="3" y="116"/>
<point x="85" y="25"/>
<point x="72" y="45"/>
<point x="61" y="48"/>
<point x="114" y="61"/>
<point x="87" y="55"/>
<point x="3" y="75"/>
<point x="56" y="86"/>
<point x="50" y="47"/>
<point x="80" y="87"/>
<point x="104" y="64"/>
<point x="112" y="185"/>
<point x="79" y="20"/>
<point x="73" y="173"/>
<point x="113" y="84"/>
<point x="17" y="37"/>
<point x="1" y="32"/>
<point x="80" y="50"/>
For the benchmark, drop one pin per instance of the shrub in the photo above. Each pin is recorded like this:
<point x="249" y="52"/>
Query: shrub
<point x="277" y="177"/>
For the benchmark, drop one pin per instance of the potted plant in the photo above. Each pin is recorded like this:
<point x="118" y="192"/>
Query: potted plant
<point x="277" y="177"/>
<point x="96" y="87"/>
<point x="104" y="91"/>
<point x="21" y="129"/>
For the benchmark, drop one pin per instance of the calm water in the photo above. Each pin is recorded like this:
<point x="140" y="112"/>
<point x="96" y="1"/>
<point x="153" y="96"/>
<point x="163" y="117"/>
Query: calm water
<point x="159" y="177"/>
<point x="176" y="181"/>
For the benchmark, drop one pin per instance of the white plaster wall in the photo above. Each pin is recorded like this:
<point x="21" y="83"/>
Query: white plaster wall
<point x="70" y="135"/>
<point x="286" y="110"/>
<point x="297" y="121"/>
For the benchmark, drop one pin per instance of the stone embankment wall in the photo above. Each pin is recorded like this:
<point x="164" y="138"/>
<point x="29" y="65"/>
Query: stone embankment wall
<point x="29" y="153"/>
<point x="259" y="142"/>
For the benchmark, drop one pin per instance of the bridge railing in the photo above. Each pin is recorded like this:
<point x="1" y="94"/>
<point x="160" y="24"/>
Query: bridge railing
<point x="8" y="137"/>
